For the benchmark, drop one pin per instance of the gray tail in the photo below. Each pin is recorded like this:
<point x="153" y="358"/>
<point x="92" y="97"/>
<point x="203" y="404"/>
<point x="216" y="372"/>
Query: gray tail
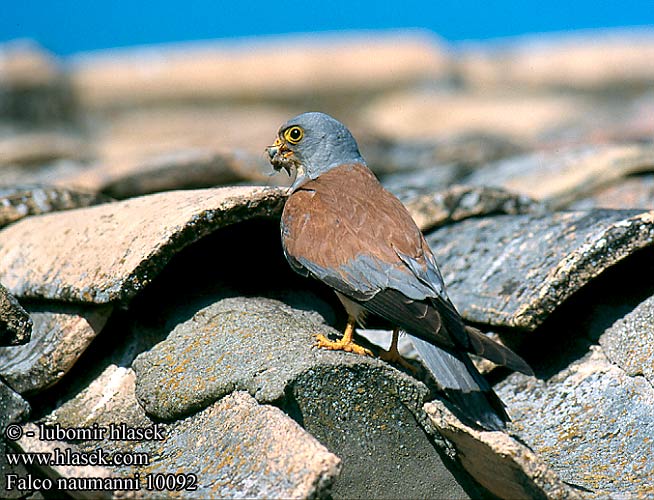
<point x="471" y="395"/>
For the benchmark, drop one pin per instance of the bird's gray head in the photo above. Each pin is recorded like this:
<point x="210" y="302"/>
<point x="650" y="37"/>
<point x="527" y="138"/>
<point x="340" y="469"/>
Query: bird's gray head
<point x="311" y="144"/>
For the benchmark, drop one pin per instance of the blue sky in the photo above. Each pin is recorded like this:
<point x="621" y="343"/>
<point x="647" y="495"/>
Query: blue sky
<point x="67" y="26"/>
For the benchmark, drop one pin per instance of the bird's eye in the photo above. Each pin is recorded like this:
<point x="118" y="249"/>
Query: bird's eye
<point x="293" y="134"/>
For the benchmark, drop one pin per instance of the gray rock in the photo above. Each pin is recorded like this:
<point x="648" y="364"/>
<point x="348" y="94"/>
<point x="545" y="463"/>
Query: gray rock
<point x="503" y="465"/>
<point x="414" y="183"/>
<point x="110" y="252"/>
<point x="456" y="203"/>
<point x="591" y="422"/>
<point x="236" y="448"/>
<point x="258" y="345"/>
<point x="360" y="408"/>
<point x="563" y="175"/>
<point x="629" y="342"/>
<point x="181" y="168"/>
<point x="60" y="335"/>
<point x="15" y="322"/>
<point x="21" y="201"/>
<point x="513" y="271"/>
<point x="456" y="153"/>
<point x="632" y="192"/>
<point x="13" y="409"/>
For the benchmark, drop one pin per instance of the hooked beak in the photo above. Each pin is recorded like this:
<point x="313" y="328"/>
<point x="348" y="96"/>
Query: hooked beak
<point x="277" y="162"/>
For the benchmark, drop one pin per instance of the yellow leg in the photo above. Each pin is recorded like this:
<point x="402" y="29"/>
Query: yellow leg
<point x="393" y="355"/>
<point x="345" y="343"/>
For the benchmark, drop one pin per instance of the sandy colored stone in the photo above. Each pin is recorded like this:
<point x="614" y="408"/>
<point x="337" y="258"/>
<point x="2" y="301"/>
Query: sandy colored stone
<point x="584" y="60"/>
<point x="21" y="201"/>
<point x="33" y="87"/>
<point x="109" y="252"/>
<point x="515" y="270"/>
<point x="558" y="177"/>
<point x="60" y="335"/>
<point x="277" y="67"/>
<point x="591" y="422"/>
<point x="630" y="192"/>
<point x="422" y="115"/>
<point x="500" y="463"/>
<point x="29" y="148"/>
<point x="15" y="322"/>
<point x="182" y="169"/>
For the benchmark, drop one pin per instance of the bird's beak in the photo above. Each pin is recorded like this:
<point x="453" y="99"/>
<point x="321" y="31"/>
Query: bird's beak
<point x="277" y="154"/>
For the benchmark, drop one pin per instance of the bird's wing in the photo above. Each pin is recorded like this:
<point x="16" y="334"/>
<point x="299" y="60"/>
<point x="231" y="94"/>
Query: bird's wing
<point x="347" y="231"/>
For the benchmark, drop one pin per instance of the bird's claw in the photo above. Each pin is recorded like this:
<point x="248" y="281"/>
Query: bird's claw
<point x="340" y="345"/>
<point x="393" y="356"/>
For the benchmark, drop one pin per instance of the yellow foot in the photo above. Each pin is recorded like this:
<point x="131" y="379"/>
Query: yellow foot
<point x="341" y="345"/>
<point x="393" y="356"/>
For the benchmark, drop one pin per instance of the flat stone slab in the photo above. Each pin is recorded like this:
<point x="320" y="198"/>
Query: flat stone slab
<point x="109" y="252"/>
<point x="60" y="335"/>
<point x="257" y="345"/>
<point x="561" y="176"/>
<point x="514" y="270"/>
<point x="629" y="342"/>
<point x="17" y="202"/>
<point x="361" y="408"/>
<point x="592" y="423"/>
<point x="391" y="155"/>
<point x="175" y="169"/>
<point x="632" y="192"/>
<point x="233" y="449"/>
<point x="457" y="203"/>
<point x="503" y="465"/>
<point x="419" y="115"/>
<point x="254" y="69"/>
<point x="15" y="322"/>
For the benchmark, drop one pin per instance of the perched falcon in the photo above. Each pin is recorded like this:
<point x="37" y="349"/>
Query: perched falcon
<point x="343" y="228"/>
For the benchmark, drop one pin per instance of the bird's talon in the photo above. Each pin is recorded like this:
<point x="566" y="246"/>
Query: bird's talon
<point x="393" y="356"/>
<point x="340" y="345"/>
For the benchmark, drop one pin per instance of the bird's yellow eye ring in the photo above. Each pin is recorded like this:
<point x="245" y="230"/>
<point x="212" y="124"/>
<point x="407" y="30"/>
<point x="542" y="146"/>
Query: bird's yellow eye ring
<point x="294" y="134"/>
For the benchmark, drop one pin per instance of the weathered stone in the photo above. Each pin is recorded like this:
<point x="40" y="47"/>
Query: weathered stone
<point x="15" y="322"/>
<point x="110" y="252"/>
<point x="42" y="174"/>
<point x="463" y="202"/>
<point x="503" y="465"/>
<point x="455" y="153"/>
<point x="20" y="201"/>
<point x="591" y="422"/>
<point x="275" y="68"/>
<point x="183" y="169"/>
<point x="424" y="115"/>
<point x="411" y="184"/>
<point x="259" y="345"/>
<point x="236" y="448"/>
<point x="515" y="270"/>
<point x="32" y="86"/>
<point x="31" y="148"/>
<point x="559" y="177"/>
<point x="586" y="60"/>
<point x="629" y="342"/>
<point x="631" y="192"/>
<point x="13" y="409"/>
<point x="360" y="408"/>
<point x="60" y="335"/>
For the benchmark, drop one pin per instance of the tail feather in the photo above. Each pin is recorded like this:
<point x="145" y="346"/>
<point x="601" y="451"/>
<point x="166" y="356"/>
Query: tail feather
<point x="464" y="386"/>
<point x="497" y="353"/>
